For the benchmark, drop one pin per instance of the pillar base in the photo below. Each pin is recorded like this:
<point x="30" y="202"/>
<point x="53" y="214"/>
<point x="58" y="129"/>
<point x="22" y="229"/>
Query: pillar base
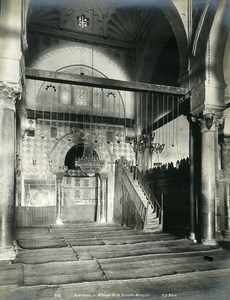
<point x="192" y="237"/>
<point x="219" y="236"/>
<point x="103" y="220"/>
<point x="7" y="253"/>
<point x="59" y="221"/>
<point x="226" y="235"/>
<point x="209" y="242"/>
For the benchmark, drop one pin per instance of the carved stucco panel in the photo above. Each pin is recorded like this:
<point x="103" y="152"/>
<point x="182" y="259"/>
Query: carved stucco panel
<point x="198" y="99"/>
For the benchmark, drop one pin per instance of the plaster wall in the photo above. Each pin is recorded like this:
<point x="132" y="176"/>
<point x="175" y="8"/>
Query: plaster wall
<point x="175" y="136"/>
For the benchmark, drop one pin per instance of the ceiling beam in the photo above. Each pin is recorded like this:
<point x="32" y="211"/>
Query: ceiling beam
<point x="73" y="118"/>
<point x="79" y="37"/>
<point x="85" y="80"/>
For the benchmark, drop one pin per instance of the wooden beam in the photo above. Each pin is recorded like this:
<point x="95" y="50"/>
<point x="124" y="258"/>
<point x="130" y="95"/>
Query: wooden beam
<point x="74" y="118"/>
<point x="85" y="80"/>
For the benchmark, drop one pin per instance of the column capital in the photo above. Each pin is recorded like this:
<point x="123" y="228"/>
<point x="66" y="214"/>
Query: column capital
<point x="103" y="176"/>
<point x="210" y="122"/>
<point x="225" y="141"/>
<point x="9" y="93"/>
<point x="59" y="175"/>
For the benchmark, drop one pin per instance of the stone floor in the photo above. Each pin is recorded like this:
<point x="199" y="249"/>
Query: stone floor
<point x="91" y="261"/>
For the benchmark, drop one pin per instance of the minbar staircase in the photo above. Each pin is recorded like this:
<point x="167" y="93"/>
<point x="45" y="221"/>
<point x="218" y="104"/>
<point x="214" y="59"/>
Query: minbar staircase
<point x="152" y="221"/>
<point x="154" y="213"/>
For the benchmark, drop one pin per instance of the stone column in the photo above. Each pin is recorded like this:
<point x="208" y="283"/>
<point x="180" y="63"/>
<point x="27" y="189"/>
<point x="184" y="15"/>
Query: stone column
<point x="225" y="166"/>
<point x="226" y="173"/>
<point x="192" y="196"/>
<point x="8" y="95"/>
<point x="98" y="206"/>
<point x="103" y="198"/>
<point x="208" y="170"/>
<point x="59" y="177"/>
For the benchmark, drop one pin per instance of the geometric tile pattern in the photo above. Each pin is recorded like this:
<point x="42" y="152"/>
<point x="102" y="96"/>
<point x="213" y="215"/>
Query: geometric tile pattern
<point x="42" y="155"/>
<point x="80" y="191"/>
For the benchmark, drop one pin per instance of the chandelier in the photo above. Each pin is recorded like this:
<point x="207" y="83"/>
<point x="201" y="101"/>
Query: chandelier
<point x="156" y="147"/>
<point x="90" y="166"/>
<point x="141" y="143"/>
<point x="89" y="163"/>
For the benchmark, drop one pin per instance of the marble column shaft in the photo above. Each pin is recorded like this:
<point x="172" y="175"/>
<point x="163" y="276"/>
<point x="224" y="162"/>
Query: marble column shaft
<point x="192" y="197"/>
<point x="8" y="94"/>
<point x="59" y="177"/>
<point x="208" y="173"/>
<point x="226" y="170"/>
<point x="104" y="196"/>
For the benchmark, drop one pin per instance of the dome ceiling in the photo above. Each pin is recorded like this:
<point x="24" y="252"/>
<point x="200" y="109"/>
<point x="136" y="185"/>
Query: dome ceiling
<point x="112" y="21"/>
<point x="138" y="30"/>
<point x="139" y="27"/>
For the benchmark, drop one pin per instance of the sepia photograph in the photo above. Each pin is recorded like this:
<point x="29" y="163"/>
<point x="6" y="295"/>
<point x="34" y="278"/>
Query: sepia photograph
<point x="114" y="149"/>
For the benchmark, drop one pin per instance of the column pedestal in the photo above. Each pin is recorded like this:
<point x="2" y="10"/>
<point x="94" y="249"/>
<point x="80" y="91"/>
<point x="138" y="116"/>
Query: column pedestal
<point x="208" y="171"/>
<point x="103" y="198"/>
<point x="8" y="94"/>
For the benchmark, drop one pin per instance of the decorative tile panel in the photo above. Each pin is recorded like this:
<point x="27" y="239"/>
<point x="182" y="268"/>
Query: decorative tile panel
<point x="41" y="155"/>
<point x="79" y="191"/>
<point x="39" y="193"/>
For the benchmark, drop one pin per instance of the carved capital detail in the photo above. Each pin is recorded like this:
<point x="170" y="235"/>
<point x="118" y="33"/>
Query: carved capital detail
<point x="210" y="122"/>
<point x="59" y="176"/>
<point x="226" y="143"/>
<point x="9" y="93"/>
<point x="103" y="176"/>
<point x="198" y="98"/>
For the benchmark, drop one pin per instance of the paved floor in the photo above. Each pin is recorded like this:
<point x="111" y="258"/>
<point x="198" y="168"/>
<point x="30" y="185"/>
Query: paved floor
<point x="91" y="261"/>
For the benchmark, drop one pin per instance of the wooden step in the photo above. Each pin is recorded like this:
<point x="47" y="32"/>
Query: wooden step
<point x="10" y="274"/>
<point x="212" y="285"/>
<point x="45" y="255"/>
<point x="173" y="256"/>
<point x="161" y="267"/>
<point x="39" y="243"/>
<point x="109" y="251"/>
<point x="96" y="261"/>
<point x="176" y="286"/>
<point x="62" y="272"/>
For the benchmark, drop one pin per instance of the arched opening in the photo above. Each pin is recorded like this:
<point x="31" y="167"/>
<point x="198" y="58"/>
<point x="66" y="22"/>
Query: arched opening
<point x="75" y="152"/>
<point x="168" y="66"/>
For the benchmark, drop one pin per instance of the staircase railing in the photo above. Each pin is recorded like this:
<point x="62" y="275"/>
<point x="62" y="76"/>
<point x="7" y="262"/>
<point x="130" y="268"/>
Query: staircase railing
<point x="140" y="206"/>
<point x="150" y="196"/>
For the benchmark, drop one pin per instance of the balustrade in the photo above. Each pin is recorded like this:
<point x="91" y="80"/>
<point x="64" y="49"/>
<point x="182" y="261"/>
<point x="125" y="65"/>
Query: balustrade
<point x="180" y="165"/>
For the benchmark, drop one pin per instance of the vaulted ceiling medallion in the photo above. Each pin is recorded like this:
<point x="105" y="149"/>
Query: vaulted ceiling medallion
<point x="83" y="21"/>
